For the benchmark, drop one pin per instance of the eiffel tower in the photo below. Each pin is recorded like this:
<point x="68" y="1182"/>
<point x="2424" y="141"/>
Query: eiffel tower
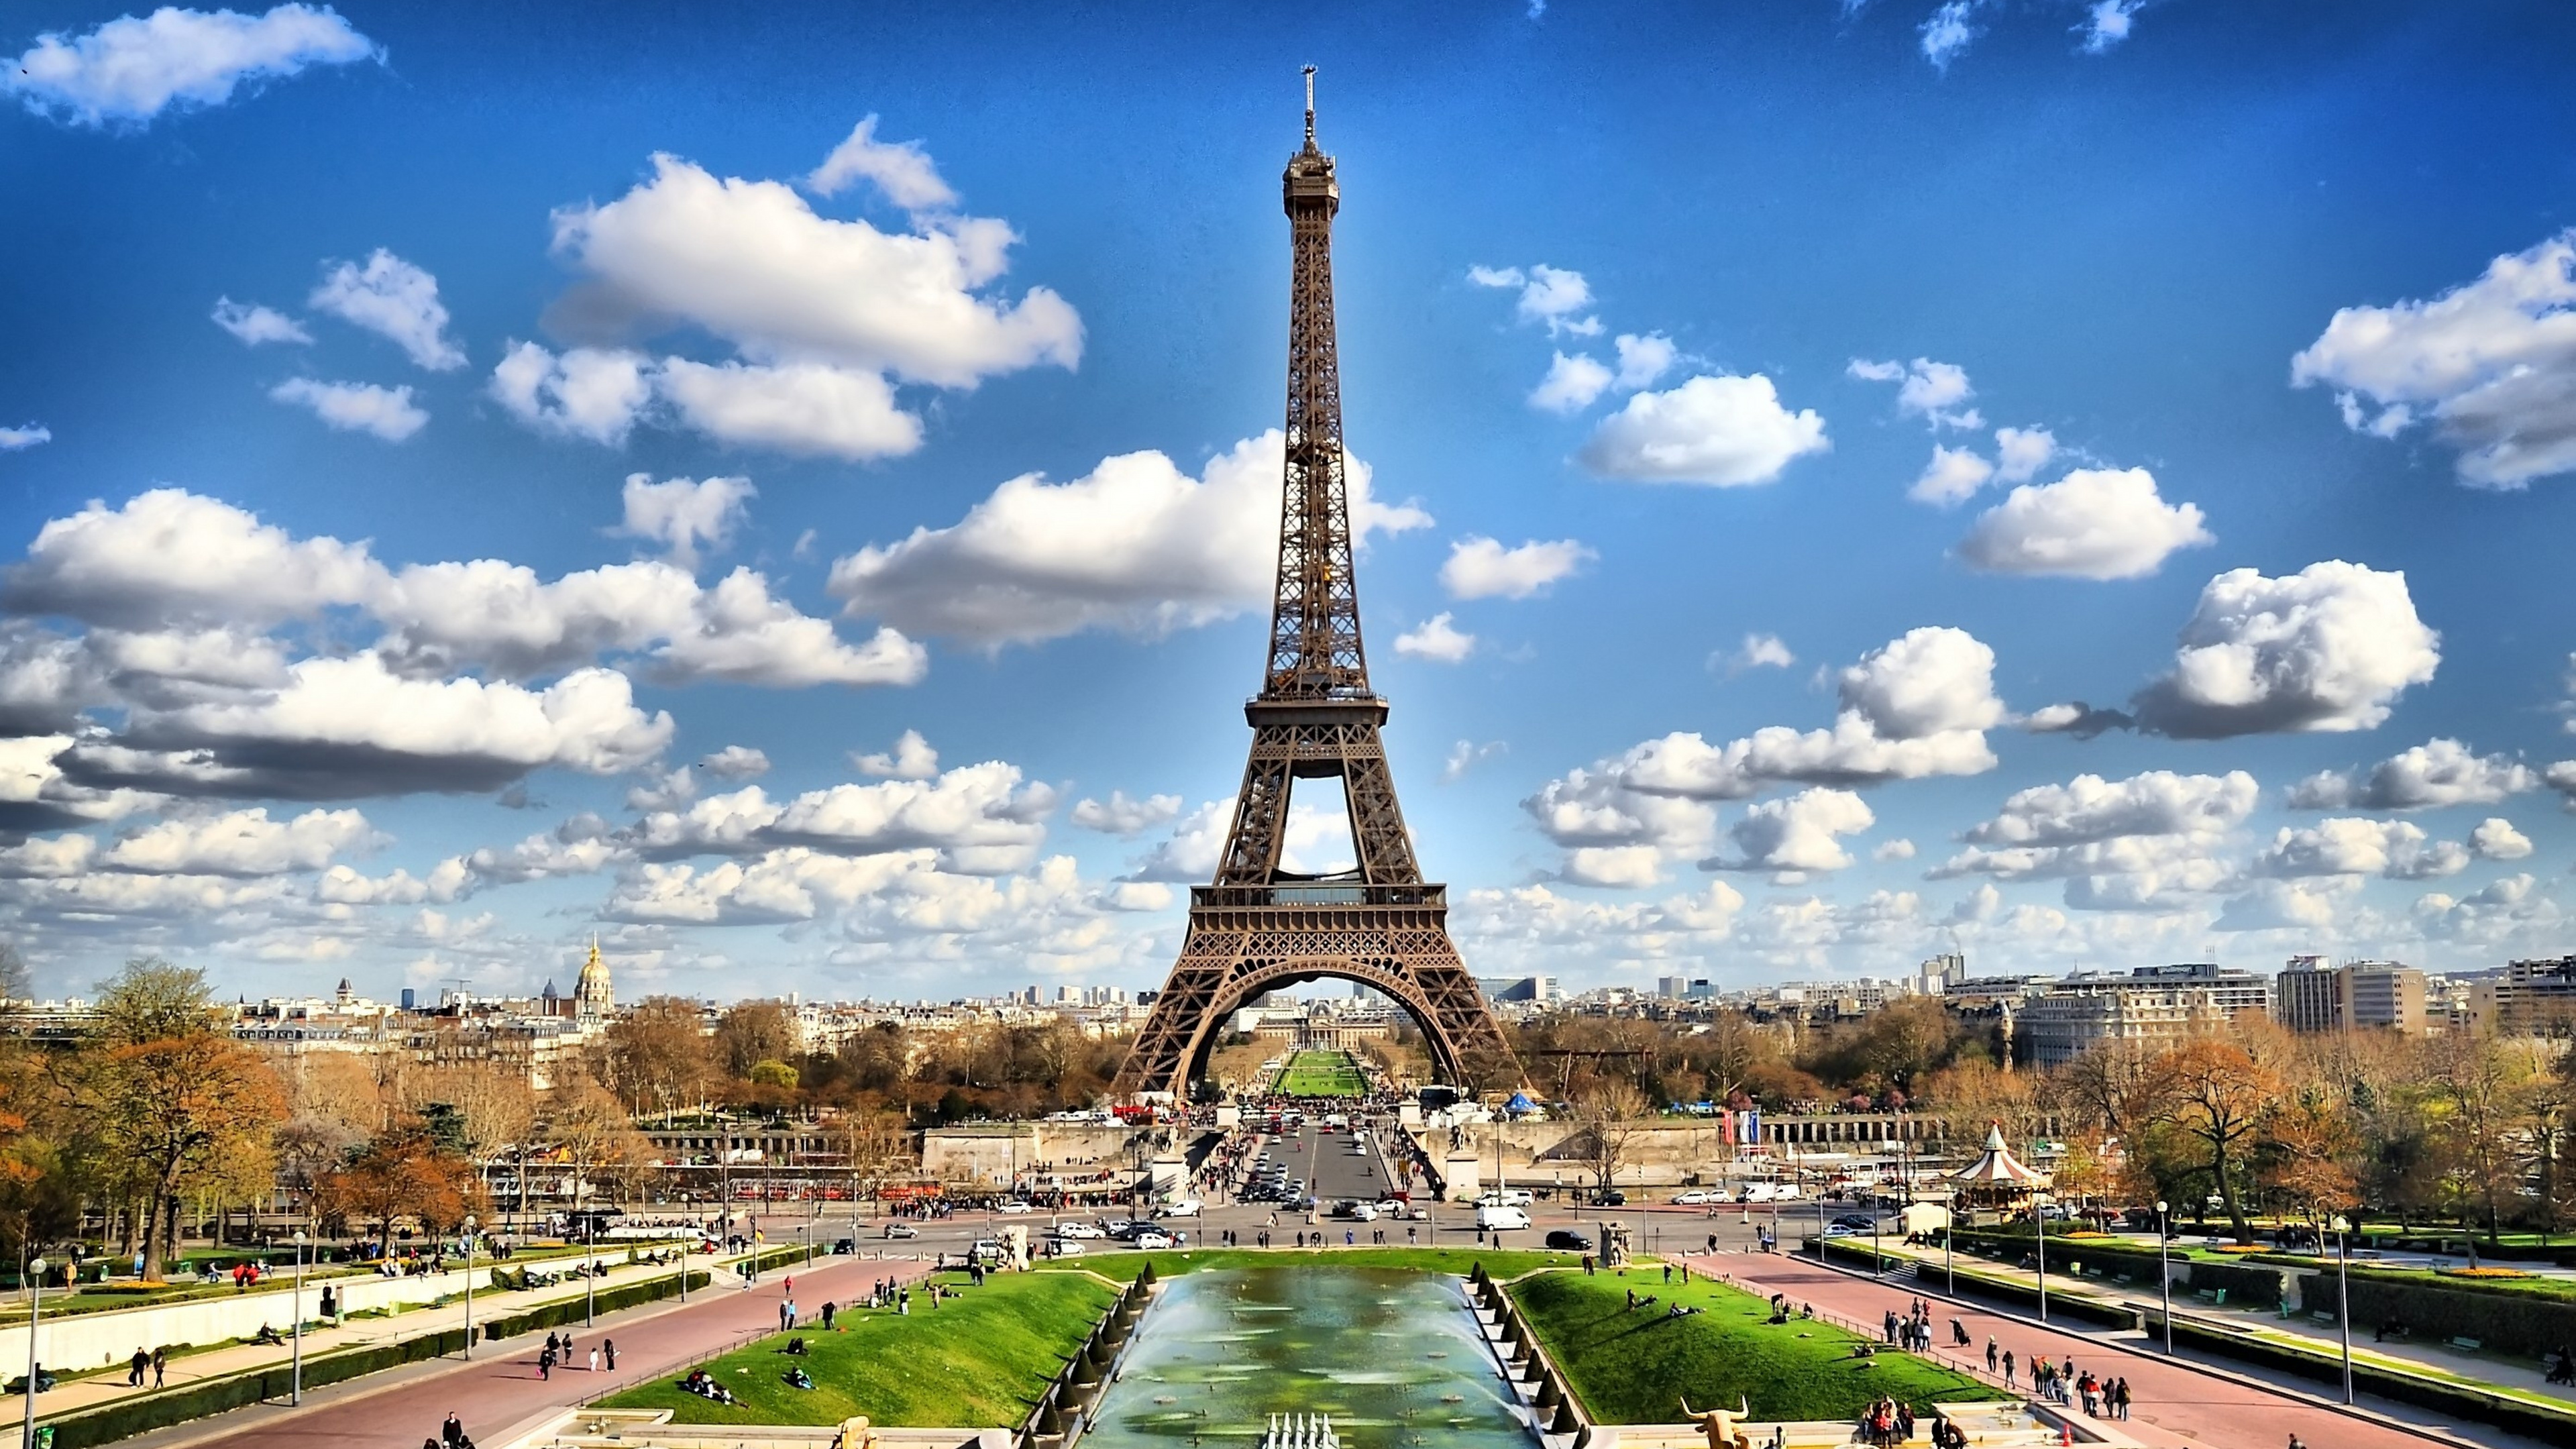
<point x="1261" y="927"/>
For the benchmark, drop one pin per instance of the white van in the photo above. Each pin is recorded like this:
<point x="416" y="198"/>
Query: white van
<point x="1506" y="1197"/>
<point x="1494" y="1217"/>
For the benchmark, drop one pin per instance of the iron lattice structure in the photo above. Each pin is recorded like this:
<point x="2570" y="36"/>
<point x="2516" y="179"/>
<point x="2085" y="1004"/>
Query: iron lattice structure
<point x="1259" y="926"/>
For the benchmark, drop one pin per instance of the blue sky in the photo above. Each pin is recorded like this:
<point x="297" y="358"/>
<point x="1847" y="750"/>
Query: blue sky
<point x="2087" y="483"/>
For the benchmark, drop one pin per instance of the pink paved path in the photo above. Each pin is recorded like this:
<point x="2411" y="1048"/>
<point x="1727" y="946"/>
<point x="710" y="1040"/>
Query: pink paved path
<point x="2177" y="1406"/>
<point x="500" y="1388"/>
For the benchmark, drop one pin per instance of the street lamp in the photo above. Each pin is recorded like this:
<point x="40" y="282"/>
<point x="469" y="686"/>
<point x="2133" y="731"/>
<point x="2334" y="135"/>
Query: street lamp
<point x="2343" y="1303"/>
<point x="2039" y="1209"/>
<point x="295" y="1374"/>
<point x="470" y="1225"/>
<point x="35" y="1310"/>
<point x="590" y="1272"/>
<point x="2164" y="1274"/>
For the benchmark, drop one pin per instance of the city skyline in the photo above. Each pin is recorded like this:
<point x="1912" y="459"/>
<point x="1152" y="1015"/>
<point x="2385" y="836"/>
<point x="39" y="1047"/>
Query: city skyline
<point x="2076" y="484"/>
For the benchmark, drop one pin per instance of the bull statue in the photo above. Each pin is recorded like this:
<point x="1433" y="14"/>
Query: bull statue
<point x="1724" y="1427"/>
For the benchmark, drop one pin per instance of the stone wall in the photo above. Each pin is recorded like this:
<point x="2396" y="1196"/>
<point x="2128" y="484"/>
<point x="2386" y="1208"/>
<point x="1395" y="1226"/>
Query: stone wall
<point x="991" y="1155"/>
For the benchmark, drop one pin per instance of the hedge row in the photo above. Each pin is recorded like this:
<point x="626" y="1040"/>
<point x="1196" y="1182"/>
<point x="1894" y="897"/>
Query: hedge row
<point x="2505" y="1322"/>
<point x="2544" y="1425"/>
<point x="216" y="1396"/>
<point x="2248" y="1286"/>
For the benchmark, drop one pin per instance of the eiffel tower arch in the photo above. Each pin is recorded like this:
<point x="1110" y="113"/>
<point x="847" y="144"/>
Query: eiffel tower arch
<point x="1259" y="926"/>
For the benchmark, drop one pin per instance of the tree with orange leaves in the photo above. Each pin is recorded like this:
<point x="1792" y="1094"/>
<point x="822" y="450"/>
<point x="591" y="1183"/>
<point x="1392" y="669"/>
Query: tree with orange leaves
<point x="2210" y="1097"/>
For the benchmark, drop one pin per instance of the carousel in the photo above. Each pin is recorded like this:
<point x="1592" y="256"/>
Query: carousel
<point x="1997" y="1180"/>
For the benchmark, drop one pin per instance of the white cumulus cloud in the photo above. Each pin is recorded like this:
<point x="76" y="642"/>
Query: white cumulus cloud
<point x="356" y="407"/>
<point x="2021" y="452"/>
<point x="900" y="169"/>
<point x="2094" y="523"/>
<point x="1932" y="391"/>
<point x="912" y="758"/>
<point x="2491" y="364"/>
<point x="1481" y="568"/>
<point x="1436" y="639"/>
<point x="131" y="69"/>
<point x="255" y="324"/>
<point x="28" y="436"/>
<point x="1136" y="545"/>
<point x="1725" y="432"/>
<point x="1121" y="816"/>
<point x="242" y="843"/>
<point x="588" y="392"/>
<point x="2328" y="648"/>
<point x="2429" y="776"/>
<point x="1550" y="296"/>
<point x="1953" y="476"/>
<point x="2496" y="839"/>
<point x="684" y="515"/>
<point x="1798" y="832"/>
<point x="394" y="299"/>
<point x="1571" y="384"/>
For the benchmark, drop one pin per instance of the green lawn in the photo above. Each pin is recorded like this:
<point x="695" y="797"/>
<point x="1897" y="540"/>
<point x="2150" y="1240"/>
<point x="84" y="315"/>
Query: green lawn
<point x="1634" y="1367"/>
<point x="978" y="1361"/>
<point x="1124" y="1264"/>
<point x="1321" y="1074"/>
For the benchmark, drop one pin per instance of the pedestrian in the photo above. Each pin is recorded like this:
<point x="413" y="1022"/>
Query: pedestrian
<point x="1668" y="1273"/>
<point x="609" y="1346"/>
<point x="134" y="1370"/>
<point x="2120" y="1397"/>
<point x="1712" y="1242"/>
<point x="160" y="1365"/>
<point x="553" y="1342"/>
<point x="451" y="1433"/>
<point x="1887" y="1329"/>
<point x="827" y="1317"/>
<point x="546" y="1365"/>
<point x="2008" y="1368"/>
<point x="1990" y="1353"/>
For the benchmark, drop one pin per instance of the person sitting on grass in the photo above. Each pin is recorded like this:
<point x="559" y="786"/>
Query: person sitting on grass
<point x="795" y="1346"/>
<point x="797" y="1378"/>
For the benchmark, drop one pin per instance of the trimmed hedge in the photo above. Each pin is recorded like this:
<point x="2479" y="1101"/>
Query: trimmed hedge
<point x="2544" y="1425"/>
<point x="2247" y="1286"/>
<point x="2508" y="1322"/>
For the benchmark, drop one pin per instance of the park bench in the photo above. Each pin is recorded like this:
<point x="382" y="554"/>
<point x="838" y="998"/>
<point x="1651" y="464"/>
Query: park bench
<point x="2468" y="1345"/>
<point x="2322" y="1315"/>
<point x="2214" y="1297"/>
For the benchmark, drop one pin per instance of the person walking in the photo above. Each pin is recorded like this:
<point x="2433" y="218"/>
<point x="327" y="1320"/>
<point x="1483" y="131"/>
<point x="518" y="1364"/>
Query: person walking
<point x="160" y="1365"/>
<point x="2008" y="1368"/>
<point x="828" y="1310"/>
<point x="594" y="1358"/>
<point x="1990" y="1353"/>
<point x="546" y="1364"/>
<point x="451" y="1433"/>
<point x="2120" y="1398"/>
<point x="609" y="1345"/>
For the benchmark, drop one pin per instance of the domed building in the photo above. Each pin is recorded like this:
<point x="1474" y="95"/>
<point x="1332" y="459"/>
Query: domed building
<point x="593" y="997"/>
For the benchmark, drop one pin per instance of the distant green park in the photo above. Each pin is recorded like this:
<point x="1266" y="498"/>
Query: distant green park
<point x="1321" y="1074"/>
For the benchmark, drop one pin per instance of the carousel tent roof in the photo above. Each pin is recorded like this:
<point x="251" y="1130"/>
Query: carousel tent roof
<point x="1996" y="1166"/>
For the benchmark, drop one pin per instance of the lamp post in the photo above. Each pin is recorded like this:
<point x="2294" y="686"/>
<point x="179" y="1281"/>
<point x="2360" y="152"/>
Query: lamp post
<point x="2164" y="1267"/>
<point x="2343" y="1304"/>
<point x="295" y="1371"/>
<point x="590" y="1272"/>
<point x="2039" y="1209"/>
<point x="1950" y="1244"/>
<point x="470" y="1225"/>
<point x="35" y="1311"/>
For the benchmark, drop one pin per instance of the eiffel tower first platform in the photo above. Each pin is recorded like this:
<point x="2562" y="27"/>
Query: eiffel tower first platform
<point x="1260" y="927"/>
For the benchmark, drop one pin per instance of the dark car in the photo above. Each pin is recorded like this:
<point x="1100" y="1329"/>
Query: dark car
<point x="1569" y="1242"/>
<point x="1610" y="1197"/>
<point x="1861" y="1221"/>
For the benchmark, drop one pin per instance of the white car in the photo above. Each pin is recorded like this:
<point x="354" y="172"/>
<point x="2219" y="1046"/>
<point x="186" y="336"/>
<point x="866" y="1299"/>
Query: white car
<point x="1518" y="1197"/>
<point x="1696" y="1198"/>
<point x="1150" y="1239"/>
<point x="1014" y="1208"/>
<point x="1390" y="1209"/>
<point x="1493" y="1217"/>
<point x="1064" y="1247"/>
<point x="1078" y="1230"/>
<point x="1187" y="1207"/>
<point x="1843" y="1230"/>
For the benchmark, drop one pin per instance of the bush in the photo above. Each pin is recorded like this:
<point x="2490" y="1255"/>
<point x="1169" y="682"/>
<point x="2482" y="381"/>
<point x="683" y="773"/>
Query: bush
<point x="2543" y="1425"/>
<point x="2247" y="1286"/>
<point x="2495" y="1314"/>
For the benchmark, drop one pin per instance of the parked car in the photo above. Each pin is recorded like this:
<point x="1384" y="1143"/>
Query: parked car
<point x="1569" y="1242"/>
<point x="1506" y="1197"/>
<point x="1610" y="1197"/>
<point x="1697" y="1197"/>
<point x="1013" y="1208"/>
<point x="1844" y="1230"/>
<point x="1182" y="1207"/>
<point x="1078" y="1230"/>
<point x="1150" y="1238"/>
<point x="1857" y="1222"/>
<point x="1064" y="1247"/>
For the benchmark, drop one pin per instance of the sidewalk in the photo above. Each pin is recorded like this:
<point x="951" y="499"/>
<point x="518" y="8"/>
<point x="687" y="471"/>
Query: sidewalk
<point x="2437" y="1358"/>
<point x="77" y="1395"/>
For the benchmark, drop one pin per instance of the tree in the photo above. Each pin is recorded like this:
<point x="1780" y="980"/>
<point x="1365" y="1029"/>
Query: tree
<point x="166" y="1092"/>
<point x="17" y="983"/>
<point x="656" y="1054"/>
<point x="401" y="1174"/>
<point x="2212" y="1095"/>
<point x="588" y="1127"/>
<point x="1608" y="1110"/>
<point x="2480" y="1083"/>
<point x="753" y="1032"/>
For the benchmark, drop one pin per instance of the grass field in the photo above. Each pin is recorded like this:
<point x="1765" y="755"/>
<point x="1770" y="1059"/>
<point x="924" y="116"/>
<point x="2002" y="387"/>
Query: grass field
<point x="1124" y="1264"/>
<point x="1321" y="1074"/>
<point x="977" y="1361"/>
<point x="1632" y="1367"/>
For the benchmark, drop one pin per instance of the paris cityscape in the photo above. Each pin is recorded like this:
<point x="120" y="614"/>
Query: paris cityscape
<point x="626" y="632"/>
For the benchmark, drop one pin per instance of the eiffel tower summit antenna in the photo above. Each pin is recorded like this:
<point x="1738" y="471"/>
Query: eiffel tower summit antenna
<point x="1259" y="927"/>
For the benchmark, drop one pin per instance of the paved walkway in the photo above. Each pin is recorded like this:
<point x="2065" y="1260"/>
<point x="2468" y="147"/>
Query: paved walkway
<point x="500" y="1392"/>
<point x="77" y="1395"/>
<point x="2179" y="1404"/>
<point x="2520" y="1374"/>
